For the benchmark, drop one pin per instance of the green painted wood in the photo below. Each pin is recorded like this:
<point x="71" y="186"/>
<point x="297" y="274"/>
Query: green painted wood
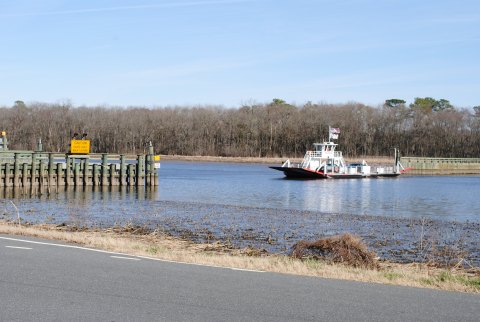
<point x="420" y="165"/>
<point x="7" y="175"/>
<point x="68" y="171"/>
<point x="24" y="174"/>
<point x="104" y="169"/>
<point x="96" y="170"/>
<point x="41" y="177"/>
<point x="60" y="175"/>
<point x="76" y="173"/>
<point x="87" y="175"/>
<point x="123" y="171"/>
<point x="111" y="175"/>
<point x="131" y="175"/>
<point x="33" y="169"/>
<point x="16" y="171"/>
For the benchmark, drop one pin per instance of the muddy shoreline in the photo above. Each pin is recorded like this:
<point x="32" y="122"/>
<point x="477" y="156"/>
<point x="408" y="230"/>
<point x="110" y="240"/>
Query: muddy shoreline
<point x="397" y="239"/>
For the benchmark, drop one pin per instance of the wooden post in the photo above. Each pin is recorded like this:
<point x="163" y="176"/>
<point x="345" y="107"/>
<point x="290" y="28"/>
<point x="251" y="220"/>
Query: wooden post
<point x="140" y="170"/>
<point x="7" y="175"/>
<point x="150" y="166"/>
<point x="104" y="169"/>
<point x="41" y="176"/>
<point x="39" y="146"/>
<point x="68" y="170"/>
<point x="33" y="172"/>
<point x="16" y="171"/>
<point x="76" y="173"/>
<point x="95" y="181"/>
<point x="147" y="170"/>
<point x="60" y="175"/>
<point x="152" y="176"/>
<point x="131" y="175"/>
<point x="24" y="175"/>
<point x="123" y="171"/>
<point x="51" y="169"/>
<point x="87" y="180"/>
<point x="112" y="174"/>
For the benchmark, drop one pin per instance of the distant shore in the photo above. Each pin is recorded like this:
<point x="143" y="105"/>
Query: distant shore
<point x="263" y="160"/>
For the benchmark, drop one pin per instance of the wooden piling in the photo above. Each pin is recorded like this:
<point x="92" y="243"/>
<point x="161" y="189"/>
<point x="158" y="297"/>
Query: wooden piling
<point x="104" y="169"/>
<point x="140" y="170"/>
<point x="123" y="171"/>
<point x="16" y="170"/>
<point x="51" y="169"/>
<point x="41" y="176"/>
<point x="68" y="171"/>
<point x="37" y="169"/>
<point x="112" y="175"/>
<point x="87" y="178"/>
<point x="131" y="175"/>
<point x="24" y="175"/>
<point x="7" y="175"/>
<point x="76" y="174"/>
<point x="33" y="172"/>
<point x="95" y="180"/>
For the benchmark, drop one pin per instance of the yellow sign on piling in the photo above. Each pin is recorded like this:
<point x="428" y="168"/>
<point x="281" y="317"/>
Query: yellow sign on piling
<point x="156" y="158"/>
<point x="80" y="146"/>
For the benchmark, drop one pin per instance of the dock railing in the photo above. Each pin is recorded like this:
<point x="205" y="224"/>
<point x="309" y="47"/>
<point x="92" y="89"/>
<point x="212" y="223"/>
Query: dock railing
<point x="421" y="165"/>
<point x="32" y="169"/>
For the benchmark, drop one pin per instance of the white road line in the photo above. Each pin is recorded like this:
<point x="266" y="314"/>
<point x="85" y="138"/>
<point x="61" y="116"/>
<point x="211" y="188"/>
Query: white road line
<point x="17" y="247"/>
<point x="130" y="258"/>
<point x="122" y="254"/>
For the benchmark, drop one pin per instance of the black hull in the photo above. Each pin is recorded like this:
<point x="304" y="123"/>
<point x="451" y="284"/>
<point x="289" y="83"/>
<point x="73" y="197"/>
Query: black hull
<point x="300" y="173"/>
<point x="385" y="175"/>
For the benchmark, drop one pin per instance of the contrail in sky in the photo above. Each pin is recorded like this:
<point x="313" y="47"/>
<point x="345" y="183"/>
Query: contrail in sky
<point x="121" y="8"/>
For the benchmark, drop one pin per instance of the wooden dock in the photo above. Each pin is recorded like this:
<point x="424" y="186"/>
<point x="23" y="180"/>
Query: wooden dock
<point x="29" y="169"/>
<point x="426" y="166"/>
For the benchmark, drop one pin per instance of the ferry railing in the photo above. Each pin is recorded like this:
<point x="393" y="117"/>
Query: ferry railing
<point x="314" y="154"/>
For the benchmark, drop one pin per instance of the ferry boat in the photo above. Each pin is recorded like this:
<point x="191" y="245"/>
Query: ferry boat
<point x="326" y="163"/>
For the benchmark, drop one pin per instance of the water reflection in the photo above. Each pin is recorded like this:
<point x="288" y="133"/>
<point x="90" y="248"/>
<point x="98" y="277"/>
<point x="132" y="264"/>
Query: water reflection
<point x="251" y="204"/>
<point x="83" y="195"/>
<point x="250" y="185"/>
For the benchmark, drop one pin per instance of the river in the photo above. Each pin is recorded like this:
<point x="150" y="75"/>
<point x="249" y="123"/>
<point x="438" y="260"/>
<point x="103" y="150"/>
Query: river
<point x="250" y="204"/>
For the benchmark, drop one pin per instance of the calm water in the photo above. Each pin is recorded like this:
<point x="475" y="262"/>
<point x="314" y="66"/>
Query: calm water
<point x="253" y="205"/>
<point x="439" y="197"/>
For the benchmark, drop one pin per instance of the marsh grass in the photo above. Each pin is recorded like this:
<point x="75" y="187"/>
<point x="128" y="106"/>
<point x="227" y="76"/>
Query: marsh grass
<point x="161" y="246"/>
<point x="266" y="160"/>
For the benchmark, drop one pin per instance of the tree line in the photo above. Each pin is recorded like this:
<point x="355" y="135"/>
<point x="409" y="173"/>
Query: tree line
<point x="427" y="127"/>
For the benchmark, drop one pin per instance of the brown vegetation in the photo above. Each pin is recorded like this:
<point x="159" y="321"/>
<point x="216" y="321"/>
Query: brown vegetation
<point x="346" y="249"/>
<point x="263" y="130"/>
<point x="156" y="245"/>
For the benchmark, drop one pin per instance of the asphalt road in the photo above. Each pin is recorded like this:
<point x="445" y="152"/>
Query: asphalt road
<point x="44" y="282"/>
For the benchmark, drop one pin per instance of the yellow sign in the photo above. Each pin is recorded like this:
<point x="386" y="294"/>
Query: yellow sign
<point x="80" y="146"/>
<point x="156" y="158"/>
<point x="4" y="133"/>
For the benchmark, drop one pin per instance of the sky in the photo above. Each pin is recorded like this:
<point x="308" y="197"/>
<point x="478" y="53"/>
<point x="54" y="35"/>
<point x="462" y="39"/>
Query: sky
<point x="238" y="52"/>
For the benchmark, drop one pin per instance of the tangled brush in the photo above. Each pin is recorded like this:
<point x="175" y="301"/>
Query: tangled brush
<point x="346" y="249"/>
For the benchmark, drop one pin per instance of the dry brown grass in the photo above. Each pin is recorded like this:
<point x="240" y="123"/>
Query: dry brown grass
<point x="160" y="246"/>
<point x="198" y="158"/>
<point x="345" y="249"/>
<point x="270" y="160"/>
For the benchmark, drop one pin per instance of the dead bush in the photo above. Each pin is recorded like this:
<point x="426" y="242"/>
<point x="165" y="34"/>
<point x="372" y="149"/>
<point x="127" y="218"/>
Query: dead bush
<point x="346" y="249"/>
